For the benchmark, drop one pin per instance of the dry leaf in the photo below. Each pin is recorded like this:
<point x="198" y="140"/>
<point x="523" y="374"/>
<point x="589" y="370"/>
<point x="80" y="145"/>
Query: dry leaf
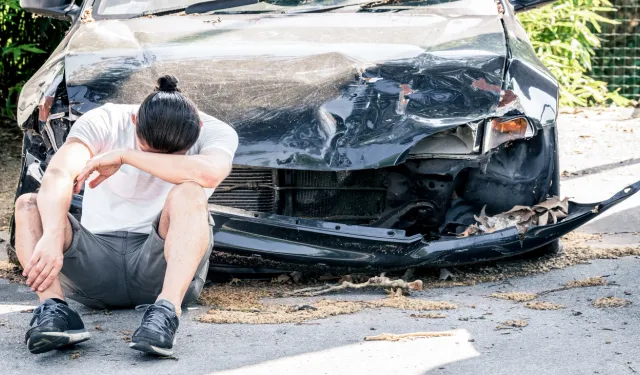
<point x="521" y="217"/>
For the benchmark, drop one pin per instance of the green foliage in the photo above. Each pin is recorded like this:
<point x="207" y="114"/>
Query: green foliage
<point x="25" y="43"/>
<point x="564" y="37"/>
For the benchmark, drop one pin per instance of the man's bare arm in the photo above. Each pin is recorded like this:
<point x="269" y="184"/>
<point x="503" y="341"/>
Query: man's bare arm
<point x="208" y="169"/>
<point x="54" y="199"/>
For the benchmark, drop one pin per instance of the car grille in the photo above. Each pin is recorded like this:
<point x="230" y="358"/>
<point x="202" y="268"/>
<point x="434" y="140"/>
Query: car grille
<point x="251" y="189"/>
<point x="343" y="196"/>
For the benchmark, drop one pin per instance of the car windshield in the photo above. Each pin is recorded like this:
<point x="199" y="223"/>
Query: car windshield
<point x="132" y="8"/>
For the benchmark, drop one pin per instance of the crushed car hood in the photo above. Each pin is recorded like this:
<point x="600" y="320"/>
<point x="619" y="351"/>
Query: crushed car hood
<point x="325" y="91"/>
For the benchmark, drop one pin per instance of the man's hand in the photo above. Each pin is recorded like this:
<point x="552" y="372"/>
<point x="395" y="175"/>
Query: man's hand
<point x="45" y="263"/>
<point x="106" y="164"/>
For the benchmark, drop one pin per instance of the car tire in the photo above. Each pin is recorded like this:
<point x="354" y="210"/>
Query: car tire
<point x="553" y="248"/>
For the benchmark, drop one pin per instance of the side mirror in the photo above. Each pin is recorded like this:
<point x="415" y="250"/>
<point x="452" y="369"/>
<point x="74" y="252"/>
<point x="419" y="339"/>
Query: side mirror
<point x="65" y="9"/>
<point x="524" y="5"/>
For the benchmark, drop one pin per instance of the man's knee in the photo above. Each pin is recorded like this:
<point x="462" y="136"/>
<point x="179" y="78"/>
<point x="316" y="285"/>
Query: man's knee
<point x="187" y="195"/>
<point x="26" y="205"/>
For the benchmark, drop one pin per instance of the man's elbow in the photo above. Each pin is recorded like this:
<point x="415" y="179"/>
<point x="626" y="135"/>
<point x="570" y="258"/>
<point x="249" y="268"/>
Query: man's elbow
<point x="210" y="180"/>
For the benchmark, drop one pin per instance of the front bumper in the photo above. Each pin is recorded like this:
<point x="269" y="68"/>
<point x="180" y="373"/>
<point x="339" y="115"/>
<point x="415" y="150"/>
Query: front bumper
<point x="291" y="240"/>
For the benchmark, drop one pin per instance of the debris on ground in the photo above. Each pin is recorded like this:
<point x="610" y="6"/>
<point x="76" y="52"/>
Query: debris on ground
<point x="539" y="305"/>
<point x="11" y="272"/>
<point x="611" y="302"/>
<point x="406" y="336"/>
<point x="406" y="303"/>
<point x="99" y="327"/>
<point x="590" y="281"/>
<point x="277" y="314"/>
<point x="577" y="250"/>
<point x="522" y="217"/>
<point x="373" y="282"/>
<point x="74" y="355"/>
<point x="514" y="296"/>
<point x="243" y="305"/>
<point x="126" y="336"/>
<point x="584" y="283"/>
<point x="429" y="316"/>
<point x="513" y="324"/>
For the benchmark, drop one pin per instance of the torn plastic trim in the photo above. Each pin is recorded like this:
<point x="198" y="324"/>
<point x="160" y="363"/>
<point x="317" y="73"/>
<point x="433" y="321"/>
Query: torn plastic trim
<point x="294" y="240"/>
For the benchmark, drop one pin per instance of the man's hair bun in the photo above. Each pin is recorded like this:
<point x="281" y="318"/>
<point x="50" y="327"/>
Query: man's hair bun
<point x="168" y="83"/>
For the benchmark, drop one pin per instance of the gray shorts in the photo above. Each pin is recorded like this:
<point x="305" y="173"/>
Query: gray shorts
<point x="120" y="269"/>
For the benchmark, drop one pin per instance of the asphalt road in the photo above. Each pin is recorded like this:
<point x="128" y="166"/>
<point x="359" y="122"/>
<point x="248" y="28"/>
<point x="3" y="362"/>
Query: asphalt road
<point x="580" y="339"/>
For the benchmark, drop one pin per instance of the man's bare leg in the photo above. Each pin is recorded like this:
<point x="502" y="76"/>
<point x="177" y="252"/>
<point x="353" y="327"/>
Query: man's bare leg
<point x="184" y="224"/>
<point x="29" y="232"/>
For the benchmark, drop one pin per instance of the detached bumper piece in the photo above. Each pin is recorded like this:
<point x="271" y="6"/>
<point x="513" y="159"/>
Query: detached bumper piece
<point x="293" y="240"/>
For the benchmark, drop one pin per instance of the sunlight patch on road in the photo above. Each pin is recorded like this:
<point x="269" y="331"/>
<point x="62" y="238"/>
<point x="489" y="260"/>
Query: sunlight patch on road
<point x="6" y="309"/>
<point x="380" y="357"/>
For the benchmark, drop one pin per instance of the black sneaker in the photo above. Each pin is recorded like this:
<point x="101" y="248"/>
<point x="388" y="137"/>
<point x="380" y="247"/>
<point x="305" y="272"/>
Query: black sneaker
<point x="157" y="332"/>
<point x="54" y="325"/>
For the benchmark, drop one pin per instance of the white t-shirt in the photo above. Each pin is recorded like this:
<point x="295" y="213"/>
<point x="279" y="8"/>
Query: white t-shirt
<point x="131" y="199"/>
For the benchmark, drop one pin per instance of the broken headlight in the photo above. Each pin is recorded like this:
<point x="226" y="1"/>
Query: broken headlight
<point x="500" y="130"/>
<point x="462" y="140"/>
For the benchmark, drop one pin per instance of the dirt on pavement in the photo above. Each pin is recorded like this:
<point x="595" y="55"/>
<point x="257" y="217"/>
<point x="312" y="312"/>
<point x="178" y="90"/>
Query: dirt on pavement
<point x="10" y="145"/>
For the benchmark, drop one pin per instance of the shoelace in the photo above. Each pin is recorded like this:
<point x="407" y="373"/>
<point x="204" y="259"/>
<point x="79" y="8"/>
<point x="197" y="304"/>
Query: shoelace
<point x="155" y="319"/>
<point x="47" y="313"/>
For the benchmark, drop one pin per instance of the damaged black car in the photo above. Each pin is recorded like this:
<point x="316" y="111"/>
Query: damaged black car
<point x="373" y="134"/>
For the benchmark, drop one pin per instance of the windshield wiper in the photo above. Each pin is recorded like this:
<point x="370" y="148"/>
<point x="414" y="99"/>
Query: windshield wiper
<point x="360" y="5"/>
<point x="203" y="7"/>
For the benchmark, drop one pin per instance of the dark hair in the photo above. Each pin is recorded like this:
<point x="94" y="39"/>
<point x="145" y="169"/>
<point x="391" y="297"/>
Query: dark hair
<point x="168" y="122"/>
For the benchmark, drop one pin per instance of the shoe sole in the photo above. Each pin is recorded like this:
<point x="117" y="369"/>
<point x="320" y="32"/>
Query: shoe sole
<point x="42" y="342"/>
<point x="144" y="346"/>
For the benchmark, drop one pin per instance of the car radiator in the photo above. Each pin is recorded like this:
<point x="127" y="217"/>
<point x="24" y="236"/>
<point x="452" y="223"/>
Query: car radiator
<point x="343" y="196"/>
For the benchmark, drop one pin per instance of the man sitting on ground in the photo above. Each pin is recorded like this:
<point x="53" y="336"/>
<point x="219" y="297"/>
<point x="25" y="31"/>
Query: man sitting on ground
<point x="145" y="235"/>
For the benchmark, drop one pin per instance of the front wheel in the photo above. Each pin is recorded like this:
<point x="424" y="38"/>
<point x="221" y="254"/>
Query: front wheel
<point x="553" y="248"/>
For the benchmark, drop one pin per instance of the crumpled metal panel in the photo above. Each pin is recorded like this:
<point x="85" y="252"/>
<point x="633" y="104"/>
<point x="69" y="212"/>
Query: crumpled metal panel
<point x="329" y="91"/>
<point x="291" y="240"/>
<point x="529" y="88"/>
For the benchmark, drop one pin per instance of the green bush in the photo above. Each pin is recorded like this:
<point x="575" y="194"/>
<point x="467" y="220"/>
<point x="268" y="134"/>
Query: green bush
<point x="25" y="43"/>
<point x="564" y="37"/>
